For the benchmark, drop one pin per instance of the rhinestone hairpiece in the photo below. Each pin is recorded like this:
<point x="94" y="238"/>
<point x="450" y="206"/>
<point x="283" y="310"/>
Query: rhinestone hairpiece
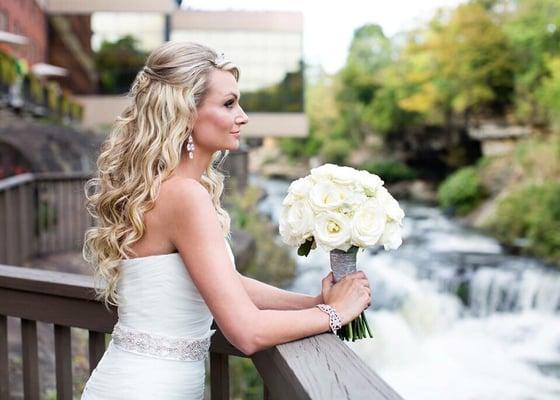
<point x="220" y="59"/>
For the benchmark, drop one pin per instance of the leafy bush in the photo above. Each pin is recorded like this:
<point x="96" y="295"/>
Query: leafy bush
<point x="531" y="213"/>
<point x="296" y="148"/>
<point x="461" y="192"/>
<point x="336" y="150"/>
<point x="390" y="170"/>
<point x="271" y="262"/>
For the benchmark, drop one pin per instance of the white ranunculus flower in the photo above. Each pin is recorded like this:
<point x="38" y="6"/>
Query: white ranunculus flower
<point x="391" y="206"/>
<point x="392" y="237"/>
<point x="368" y="224"/>
<point x="333" y="231"/>
<point x="325" y="195"/>
<point x="369" y="182"/>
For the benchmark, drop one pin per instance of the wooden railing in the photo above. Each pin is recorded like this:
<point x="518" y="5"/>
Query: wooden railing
<point x="44" y="213"/>
<point x="319" y="367"/>
<point x="41" y="214"/>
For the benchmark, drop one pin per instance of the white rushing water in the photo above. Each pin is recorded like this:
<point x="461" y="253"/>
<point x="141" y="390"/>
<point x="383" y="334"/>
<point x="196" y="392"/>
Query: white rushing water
<point x="504" y="343"/>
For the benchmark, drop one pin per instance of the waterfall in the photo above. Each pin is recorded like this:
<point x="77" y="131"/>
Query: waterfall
<point x="452" y="316"/>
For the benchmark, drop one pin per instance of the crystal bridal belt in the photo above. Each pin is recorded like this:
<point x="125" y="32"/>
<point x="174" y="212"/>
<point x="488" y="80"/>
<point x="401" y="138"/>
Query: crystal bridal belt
<point x="161" y="346"/>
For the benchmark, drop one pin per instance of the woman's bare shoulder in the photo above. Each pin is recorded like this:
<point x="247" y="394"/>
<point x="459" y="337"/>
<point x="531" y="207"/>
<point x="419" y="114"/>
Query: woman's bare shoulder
<point x="182" y="194"/>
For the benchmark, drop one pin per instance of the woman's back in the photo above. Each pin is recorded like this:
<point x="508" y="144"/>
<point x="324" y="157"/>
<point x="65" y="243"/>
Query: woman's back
<point x="162" y="335"/>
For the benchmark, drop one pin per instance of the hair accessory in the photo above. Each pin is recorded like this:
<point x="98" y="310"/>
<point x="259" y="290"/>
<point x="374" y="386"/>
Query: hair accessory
<point x="148" y="70"/>
<point x="335" y="321"/>
<point x="220" y="59"/>
<point x="190" y="147"/>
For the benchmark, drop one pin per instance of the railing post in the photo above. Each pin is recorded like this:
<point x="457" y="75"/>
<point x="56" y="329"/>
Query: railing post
<point x="25" y="222"/>
<point x="3" y="228"/>
<point x="4" y="367"/>
<point x="219" y="376"/>
<point x="96" y="349"/>
<point x="63" y="360"/>
<point x="30" y="359"/>
<point x="11" y="226"/>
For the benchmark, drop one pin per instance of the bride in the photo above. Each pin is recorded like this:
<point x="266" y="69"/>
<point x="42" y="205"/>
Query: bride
<point x="160" y="245"/>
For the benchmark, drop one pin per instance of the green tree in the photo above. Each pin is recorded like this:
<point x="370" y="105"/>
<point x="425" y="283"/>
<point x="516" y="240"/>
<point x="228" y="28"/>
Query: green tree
<point x="118" y="63"/>
<point x="548" y="93"/>
<point x="462" y="65"/>
<point x="285" y="96"/>
<point x="322" y="113"/>
<point x="533" y="28"/>
<point x="361" y="78"/>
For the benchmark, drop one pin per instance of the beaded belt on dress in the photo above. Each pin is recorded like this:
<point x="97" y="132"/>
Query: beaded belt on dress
<point x="161" y="346"/>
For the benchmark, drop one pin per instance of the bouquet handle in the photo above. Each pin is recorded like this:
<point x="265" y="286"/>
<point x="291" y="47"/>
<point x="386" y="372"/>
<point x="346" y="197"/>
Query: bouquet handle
<point x="344" y="263"/>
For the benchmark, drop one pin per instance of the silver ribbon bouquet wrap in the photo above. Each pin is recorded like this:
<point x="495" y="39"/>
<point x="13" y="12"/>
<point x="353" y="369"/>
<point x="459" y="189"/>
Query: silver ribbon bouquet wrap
<point x="344" y="263"/>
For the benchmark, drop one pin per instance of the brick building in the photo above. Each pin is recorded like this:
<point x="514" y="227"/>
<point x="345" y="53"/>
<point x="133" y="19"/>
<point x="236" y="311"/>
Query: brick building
<point x="26" y="18"/>
<point x="50" y="38"/>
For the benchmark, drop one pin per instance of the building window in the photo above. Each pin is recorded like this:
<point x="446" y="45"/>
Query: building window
<point x="3" y="20"/>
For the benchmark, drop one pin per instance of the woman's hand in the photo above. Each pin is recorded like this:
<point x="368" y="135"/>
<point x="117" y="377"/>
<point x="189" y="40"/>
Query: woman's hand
<point x="326" y="285"/>
<point x="349" y="296"/>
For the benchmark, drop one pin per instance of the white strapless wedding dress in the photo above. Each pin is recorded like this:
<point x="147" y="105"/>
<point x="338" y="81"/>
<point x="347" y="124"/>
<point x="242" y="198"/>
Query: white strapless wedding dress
<point x="160" y="342"/>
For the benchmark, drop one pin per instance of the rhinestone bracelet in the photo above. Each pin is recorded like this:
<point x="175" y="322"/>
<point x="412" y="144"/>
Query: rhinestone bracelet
<point x="334" y="319"/>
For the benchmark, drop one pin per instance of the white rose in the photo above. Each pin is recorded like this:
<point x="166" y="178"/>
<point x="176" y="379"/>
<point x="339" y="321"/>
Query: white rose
<point x="325" y="195"/>
<point x="296" y="222"/>
<point x="369" y="182"/>
<point x="325" y="171"/>
<point x="300" y="187"/>
<point x="392" y="237"/>
<point x="298" y="190"/>
<point x="289" y="199"/>
<point x="333" y="231"/>
<point x="344" y="175"/>
<point x="391" y="206"/>
<point x="354" y="197"/>
<point x="368" y="224"/>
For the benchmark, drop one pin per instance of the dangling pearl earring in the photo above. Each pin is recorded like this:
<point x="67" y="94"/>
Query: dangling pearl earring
<point x="190" y="147"/>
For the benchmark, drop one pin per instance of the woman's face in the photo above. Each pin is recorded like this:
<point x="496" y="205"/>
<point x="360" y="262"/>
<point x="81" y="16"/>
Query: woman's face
<point x="220" y="116"/>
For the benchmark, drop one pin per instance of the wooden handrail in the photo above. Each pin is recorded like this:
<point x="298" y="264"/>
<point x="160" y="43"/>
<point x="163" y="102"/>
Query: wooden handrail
<point x="41" y="213"/>
<point x="318" y="367"/>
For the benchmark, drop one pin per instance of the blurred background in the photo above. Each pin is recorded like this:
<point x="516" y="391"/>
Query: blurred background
<point x="455" y="104"/>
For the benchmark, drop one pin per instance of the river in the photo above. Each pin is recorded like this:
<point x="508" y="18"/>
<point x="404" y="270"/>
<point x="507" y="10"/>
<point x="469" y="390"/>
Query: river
<point x="498" y="339"/>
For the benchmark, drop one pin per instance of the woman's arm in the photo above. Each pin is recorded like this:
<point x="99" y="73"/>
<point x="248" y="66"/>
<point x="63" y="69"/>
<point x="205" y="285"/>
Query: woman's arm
<point x="195" y="232"/>
<point x="268" y="297"/>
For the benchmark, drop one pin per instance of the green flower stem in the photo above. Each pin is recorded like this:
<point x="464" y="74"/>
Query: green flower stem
<point x="360" y="327"/>
<point x="356" y="329"/>
<point x="367" y="327"/>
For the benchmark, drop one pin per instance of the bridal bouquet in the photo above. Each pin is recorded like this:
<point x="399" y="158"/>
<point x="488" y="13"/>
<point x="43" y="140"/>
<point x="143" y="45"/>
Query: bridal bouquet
<point x="341" y="210"/>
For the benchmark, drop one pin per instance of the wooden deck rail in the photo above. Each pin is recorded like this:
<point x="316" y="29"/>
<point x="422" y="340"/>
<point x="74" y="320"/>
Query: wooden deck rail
<point x="41" y="214"/>
<point x="319" y="367"/>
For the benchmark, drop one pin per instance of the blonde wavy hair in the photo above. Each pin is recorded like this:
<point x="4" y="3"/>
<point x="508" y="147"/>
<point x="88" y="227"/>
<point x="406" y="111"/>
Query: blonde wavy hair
<point x="142" y="150"/>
